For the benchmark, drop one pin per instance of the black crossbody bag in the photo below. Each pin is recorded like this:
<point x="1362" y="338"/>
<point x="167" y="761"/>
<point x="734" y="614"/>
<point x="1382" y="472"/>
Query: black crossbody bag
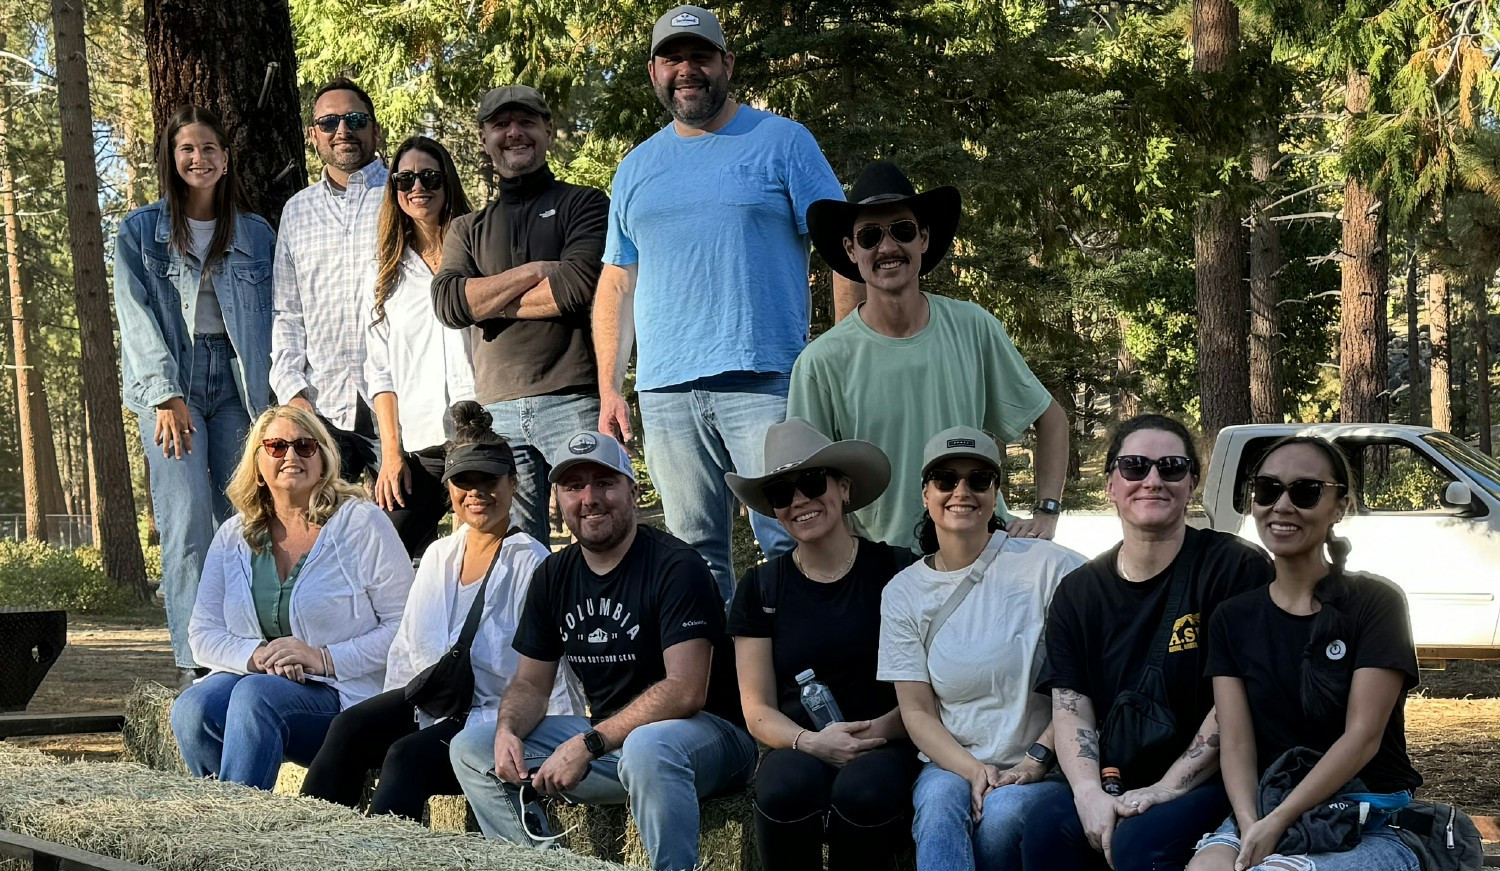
<point x="1140" y="725"/>
<point x="445" y="689"/>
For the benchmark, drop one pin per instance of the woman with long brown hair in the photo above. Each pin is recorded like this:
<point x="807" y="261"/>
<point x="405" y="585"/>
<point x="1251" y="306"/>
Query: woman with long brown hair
<point x="415" y="367"/>
<point x="193" y="292"/>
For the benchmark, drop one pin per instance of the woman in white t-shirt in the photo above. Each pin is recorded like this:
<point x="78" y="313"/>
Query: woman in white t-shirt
<point x="964" y="680"/>
<point x="409" y="746"/>
<point x="410" y="356"/>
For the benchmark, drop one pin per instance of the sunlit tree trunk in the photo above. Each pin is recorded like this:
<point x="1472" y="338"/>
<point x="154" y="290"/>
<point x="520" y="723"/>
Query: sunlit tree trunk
<point x="1266" y="403"/>
<point x="1440" y="387"/>
<point x="1363" y="395"/>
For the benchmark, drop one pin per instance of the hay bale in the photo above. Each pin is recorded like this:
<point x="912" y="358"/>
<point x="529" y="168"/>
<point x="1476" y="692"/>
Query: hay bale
<point x="726" y="836"/>
<point x="148" y="727"/>
<point x="176" y="823"/>
<point x="450" y="813"/>
<point x="596" y="830"/>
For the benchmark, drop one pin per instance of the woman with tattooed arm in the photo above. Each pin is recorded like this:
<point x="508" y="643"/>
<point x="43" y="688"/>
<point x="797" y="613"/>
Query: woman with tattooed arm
<point x="1125" y="659"/>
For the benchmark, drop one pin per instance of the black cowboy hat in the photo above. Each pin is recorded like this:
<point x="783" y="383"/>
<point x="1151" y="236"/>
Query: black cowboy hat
<point x="829" y="222"/>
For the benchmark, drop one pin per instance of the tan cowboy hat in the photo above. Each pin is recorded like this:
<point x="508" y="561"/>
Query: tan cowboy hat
<point x="794" y="445"/>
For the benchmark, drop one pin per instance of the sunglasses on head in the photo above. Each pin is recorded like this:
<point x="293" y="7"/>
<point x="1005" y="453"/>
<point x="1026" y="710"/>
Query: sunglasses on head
<point x="946" y="480"/>
<point x="1304" y="492"/>
<point x="356" y="121"/>
<point x="405" y="180"/>
<point x="305" y="447"/>
<point x="1134" y="467"/>
<point x="811" y="483"/>
<point x="902" y="231"/>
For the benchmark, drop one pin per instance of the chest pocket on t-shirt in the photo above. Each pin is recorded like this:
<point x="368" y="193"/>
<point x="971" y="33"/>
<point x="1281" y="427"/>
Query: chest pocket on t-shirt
<point x="745" y="185"/>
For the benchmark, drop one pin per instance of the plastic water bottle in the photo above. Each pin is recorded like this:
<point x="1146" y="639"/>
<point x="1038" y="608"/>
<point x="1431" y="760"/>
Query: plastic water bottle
<point x="817" y="700"/>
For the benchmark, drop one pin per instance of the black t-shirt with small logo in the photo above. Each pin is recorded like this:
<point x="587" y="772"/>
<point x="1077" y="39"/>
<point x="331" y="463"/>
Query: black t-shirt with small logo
<point x="1252" y="639"/>
<point x="612" y="628"/>
<point x="1100" y="627"/>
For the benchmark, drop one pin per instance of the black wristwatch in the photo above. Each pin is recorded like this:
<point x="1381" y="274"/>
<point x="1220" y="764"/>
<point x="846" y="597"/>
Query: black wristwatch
<point x="1043" y="754"/>
<point x="595" y="743"/>
<point x="1049" y="506"/>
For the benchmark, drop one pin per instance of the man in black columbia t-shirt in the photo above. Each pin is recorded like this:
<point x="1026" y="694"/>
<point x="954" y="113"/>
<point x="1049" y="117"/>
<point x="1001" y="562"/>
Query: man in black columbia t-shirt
<point x="636" y="614"/>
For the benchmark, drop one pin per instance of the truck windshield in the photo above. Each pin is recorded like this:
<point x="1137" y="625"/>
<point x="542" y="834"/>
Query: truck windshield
<point x="1482" y="471"/>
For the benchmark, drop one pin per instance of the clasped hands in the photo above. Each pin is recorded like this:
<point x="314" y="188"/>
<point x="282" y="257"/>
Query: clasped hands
<point x="287" y="657"/>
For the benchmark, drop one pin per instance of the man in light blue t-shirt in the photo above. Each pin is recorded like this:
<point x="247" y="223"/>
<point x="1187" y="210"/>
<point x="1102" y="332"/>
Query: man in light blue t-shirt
<point x="705" y="269"/>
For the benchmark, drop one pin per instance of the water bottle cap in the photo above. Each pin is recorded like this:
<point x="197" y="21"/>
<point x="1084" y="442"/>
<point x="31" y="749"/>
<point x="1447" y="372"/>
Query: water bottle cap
<point x="1109" y="772"/>
<point x="805" y="676"/>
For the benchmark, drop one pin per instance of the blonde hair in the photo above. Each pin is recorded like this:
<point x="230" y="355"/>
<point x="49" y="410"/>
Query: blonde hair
<point x="251" y="497"/>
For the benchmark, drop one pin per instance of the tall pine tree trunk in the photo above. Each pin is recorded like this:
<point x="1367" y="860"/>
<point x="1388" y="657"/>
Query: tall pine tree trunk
<point x="113" y="505"/>
<point x="1481" y="306"/>
<point x="1441" y="388"/>
<point x="1265" y="291"/>
<point x="1363" y="396"/>
<point x="236" y="59"/>
<point x="1218" y="249"/>
<point x="1416" y="377"/>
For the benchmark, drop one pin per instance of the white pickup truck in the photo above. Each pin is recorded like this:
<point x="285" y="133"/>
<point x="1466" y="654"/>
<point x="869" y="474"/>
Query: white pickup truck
<point x="1426" y="515"/>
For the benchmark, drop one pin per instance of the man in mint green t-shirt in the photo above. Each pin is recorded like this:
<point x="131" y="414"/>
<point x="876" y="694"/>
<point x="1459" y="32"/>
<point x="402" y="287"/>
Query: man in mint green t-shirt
<point x="907" y="364"/>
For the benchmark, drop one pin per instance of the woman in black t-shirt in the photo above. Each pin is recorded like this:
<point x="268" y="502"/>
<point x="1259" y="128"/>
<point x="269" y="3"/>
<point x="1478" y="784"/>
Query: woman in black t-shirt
<point x="1321" y="659"/>
<point x="818" y="608"/>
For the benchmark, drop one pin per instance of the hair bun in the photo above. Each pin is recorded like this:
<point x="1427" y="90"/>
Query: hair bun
<point x="470" y="421"/>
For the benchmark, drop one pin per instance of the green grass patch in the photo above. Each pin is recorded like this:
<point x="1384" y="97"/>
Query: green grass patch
<point x="38" y="575"/>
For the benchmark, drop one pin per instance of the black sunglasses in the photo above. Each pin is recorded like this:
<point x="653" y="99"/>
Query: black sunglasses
<point x="902" y="231"/>
<point x="812" y="483"/>
<point x="305" y="447"/>
<point x="1134" y="467"/>
<point x="946" y="480"/>
<point x="1304" y="492"/>
<point x="405" y="180"/>
<point x="356" y="121"/>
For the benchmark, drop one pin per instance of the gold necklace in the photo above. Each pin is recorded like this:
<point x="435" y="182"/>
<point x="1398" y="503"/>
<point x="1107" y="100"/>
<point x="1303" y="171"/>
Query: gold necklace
<point x="848" y="564"/>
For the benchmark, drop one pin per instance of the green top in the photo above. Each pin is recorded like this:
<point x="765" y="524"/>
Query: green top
<point x="272" y="595"/>
<point x="961" y="369"/>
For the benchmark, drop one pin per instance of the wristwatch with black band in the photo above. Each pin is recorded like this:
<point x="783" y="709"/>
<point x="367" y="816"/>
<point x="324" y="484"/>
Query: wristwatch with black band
<point x="1043" y="754"/>
<point x="594" y="741"/>
<point x="1048" y="506"/>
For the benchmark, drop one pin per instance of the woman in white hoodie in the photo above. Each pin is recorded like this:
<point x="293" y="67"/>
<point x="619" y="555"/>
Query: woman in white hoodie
<point x="483" y="557"/>
<point x="300" y="597"/>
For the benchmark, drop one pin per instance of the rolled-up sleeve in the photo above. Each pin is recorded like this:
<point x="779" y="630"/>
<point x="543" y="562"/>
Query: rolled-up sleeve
<point x="449" y="298"/>
<point x="288" y="331"/>
<point x="582" y="259"/>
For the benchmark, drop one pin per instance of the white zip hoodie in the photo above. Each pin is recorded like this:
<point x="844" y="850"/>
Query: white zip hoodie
<point x="348" y="597"/>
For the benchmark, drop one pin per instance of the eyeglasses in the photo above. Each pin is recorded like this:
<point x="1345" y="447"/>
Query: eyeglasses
<point x="946" y="480"/>
<point x="1304" y="492"/>
<point x="305" y="447"/>
<point x="405" y="180"/>
<point x="356" y="121"/>
<point x="1133" y="467"/>
<point x="902" y="231"/>
<point x="812" y="483"/>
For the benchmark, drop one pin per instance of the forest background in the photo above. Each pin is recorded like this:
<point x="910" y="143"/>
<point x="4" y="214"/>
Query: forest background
<point x="1229" y="211"/>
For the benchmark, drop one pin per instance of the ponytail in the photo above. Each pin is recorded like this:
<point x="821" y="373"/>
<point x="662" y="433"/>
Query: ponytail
<point x="1338" y="551"/>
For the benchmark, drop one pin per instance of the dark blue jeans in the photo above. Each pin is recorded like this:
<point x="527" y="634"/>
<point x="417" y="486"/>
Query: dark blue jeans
<point x="1161" y="839"/>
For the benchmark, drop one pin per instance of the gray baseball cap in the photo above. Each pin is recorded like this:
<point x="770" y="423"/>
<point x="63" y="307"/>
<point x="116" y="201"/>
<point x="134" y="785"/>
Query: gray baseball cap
<point x="593" y="447"/>
<point x="513" y="95"/>
<point x="965" y="442"/>
<point x="687" y="21"/>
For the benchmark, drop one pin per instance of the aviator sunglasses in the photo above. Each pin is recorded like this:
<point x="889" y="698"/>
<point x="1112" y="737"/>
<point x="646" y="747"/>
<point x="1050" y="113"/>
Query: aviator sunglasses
<point x="1134" y="467"/>
<point x="305" y="447"/>
<point x="356" y="121"/>
<point x="946" y="480"/>
<point x="1304" y="492"/>
<point x="812" y="483"/>
<point x="405" y="180"/>
<point x="902" y="231"/>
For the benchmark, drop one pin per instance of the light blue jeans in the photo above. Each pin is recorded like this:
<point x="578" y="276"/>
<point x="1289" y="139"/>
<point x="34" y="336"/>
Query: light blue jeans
<point x="662" y="771"/>
<point x="947" y="837"/>
<point x="694" y="434"/>
<point x="538" y="429"/>
<point x="1380" y="849"/>
<point x="239" y="728"/>
<point x="188" y="494"/>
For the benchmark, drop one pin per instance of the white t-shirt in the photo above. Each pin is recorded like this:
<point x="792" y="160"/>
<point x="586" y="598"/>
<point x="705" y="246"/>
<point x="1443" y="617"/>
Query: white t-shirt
<point x="208" y="318"/>
<point x="986" y="657"/>
<point x="463" y="599"/>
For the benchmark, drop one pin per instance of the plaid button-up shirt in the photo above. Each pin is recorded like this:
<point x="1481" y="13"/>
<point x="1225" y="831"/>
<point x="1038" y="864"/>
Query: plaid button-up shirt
<point x="323" y="251"/>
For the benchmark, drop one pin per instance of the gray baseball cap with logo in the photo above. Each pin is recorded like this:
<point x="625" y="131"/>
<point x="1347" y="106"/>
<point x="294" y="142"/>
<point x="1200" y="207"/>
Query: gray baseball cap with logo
<point x="513" y="95"/>
<point x="961" y="442"/>
<point x="688" y="21"/>
<point x="593" y="447"/>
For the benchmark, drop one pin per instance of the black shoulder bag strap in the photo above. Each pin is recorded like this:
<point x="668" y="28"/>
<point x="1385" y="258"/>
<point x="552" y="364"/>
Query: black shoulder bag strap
<point x="471" y="622"/>
<point x="1181" y="579"/>
<point x="446" y="688"/>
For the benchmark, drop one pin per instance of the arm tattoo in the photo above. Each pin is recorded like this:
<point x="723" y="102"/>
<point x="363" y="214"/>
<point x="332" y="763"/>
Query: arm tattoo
<point x="1066" y="700"/>
<point x="1088" y="744"/>
<point x="1201" y="745"/>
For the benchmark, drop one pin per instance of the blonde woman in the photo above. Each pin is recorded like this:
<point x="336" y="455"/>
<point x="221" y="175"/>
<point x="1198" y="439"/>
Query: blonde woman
<point x="300" y="598"/>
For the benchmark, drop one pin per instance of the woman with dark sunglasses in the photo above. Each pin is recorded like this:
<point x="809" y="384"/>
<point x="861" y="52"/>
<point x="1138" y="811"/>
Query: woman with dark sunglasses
<point x="1321" y="659"/>
<point x="1125" y="634"/>
<point x="818" y="607"/>
<point x="301" y="594"/>
<point x="960" y="637"/>
<point x="415" y="368"/>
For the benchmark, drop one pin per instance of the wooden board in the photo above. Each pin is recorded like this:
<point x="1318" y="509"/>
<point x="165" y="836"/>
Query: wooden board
<point x="34" y="725"/>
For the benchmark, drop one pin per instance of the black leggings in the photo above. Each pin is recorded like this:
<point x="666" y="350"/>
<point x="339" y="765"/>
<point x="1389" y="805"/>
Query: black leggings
<point x="426" y="504"/>
<point x="380" y="732"/>
<point x="866" y="807"/>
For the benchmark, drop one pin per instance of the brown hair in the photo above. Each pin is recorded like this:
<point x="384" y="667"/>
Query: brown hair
<point x="398" y="231"/>
<point x="227" y="194"/>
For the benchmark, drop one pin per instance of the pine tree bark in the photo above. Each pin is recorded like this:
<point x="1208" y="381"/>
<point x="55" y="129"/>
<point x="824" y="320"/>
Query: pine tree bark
<point x="1218" y="251"/>
<point x="1364" y="394"/>
<point x="1440" y="387"/>
<point x="236" y="59"/>
<point x="1416" y="376"/>
<point x="113" y="506"/>
<point x="1266" y="391"/>
<point x="1481" y="307"/>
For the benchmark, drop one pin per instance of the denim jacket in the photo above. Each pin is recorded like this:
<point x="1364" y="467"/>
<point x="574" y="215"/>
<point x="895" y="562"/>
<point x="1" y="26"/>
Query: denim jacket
<point x="156" y="292"/>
